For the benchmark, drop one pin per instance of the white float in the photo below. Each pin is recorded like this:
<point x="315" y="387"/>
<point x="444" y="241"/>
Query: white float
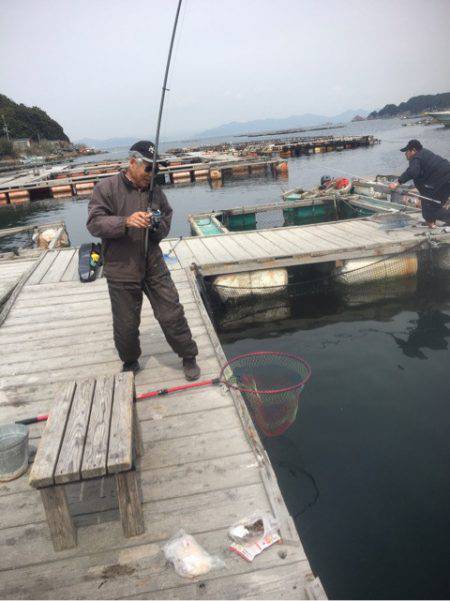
<point x="362" y="271"/>
<point x="241" y="286"/>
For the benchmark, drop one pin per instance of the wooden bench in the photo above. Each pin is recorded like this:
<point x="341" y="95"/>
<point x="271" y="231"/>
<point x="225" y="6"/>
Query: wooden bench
<point x="92" y="431"/>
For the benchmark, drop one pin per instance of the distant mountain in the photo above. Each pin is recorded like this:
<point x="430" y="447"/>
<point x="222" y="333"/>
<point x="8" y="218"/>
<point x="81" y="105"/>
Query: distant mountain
<point x="29" y="122"/>
<point x="306" y="120"/>
<point x="107" y="144"/>
<point x="414" y="106"/>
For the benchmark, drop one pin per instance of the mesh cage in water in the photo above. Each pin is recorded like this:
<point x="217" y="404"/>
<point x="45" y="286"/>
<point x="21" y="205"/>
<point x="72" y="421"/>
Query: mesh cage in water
<point x="271" y="383"/>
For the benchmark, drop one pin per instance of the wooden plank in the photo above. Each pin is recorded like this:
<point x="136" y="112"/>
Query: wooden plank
<point x="283" y="243"/>
<point x="278" y="582"/>
<point x="59" y="520"/>
<point x="234" y="248"/>
<point x="200" y="250"/>
<point x="48" y="451"/>
<point x="43" y="267"/>
<point x="267" y="244"/>
<point x="301" y="244"/>
<point x="68" y="468"/>
<point x="249" y="242"/>
<point x="58" y="267"/>
<point x="71" y="272"/>
<point x="34" y="352"/>
<point x="184" y="254"/>
<point x="120" y="453"/>
<point x="305" y="233"/>
<point x="130" y="504"/>
<point x="220" y="252"/>
<point x="96" y="446"/>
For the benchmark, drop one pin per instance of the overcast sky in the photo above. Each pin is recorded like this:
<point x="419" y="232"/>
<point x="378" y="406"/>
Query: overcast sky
<point x="97" y="66"/>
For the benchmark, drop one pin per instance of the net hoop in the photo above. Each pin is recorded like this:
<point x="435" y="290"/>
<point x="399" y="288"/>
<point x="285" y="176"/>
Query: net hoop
<point x="299" y="385"/>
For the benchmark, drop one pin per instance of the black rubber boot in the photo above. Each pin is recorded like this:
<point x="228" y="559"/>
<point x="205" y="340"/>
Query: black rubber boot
<point x="191" y="369"/>
<point x="132" y="366"/>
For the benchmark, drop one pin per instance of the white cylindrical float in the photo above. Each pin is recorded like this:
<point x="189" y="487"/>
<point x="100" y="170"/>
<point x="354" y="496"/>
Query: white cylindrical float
<point x="239" y="286"/>
<point x="372" y="269"/>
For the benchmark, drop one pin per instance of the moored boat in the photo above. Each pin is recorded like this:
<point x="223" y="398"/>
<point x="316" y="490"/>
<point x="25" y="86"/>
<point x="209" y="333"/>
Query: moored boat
<point x="441" y="116"/>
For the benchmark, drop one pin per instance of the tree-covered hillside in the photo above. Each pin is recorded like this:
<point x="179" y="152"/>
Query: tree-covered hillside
<point x="28" y="122"/>
<point x="414" y="106"/>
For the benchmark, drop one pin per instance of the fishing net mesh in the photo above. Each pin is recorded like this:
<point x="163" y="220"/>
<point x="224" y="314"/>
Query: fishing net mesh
<point x="316" y="288"/>
<point x="271" y="384"/>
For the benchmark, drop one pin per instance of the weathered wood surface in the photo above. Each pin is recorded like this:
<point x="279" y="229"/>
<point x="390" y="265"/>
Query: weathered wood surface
<point x="47" y="455"/>
<point x="59" y="520"/>
<point x="199" y="470"/>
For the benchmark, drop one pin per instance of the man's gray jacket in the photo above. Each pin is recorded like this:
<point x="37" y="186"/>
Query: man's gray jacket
<point x="113" y="200"/>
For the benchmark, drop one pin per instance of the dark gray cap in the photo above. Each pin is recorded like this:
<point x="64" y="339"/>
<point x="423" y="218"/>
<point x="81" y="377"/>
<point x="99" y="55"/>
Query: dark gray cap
<point x="144" y="149"/>
<point x="412" y="145"/>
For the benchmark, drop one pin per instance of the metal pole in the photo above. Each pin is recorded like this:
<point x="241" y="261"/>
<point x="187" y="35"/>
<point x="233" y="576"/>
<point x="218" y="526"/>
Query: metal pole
<point x="158" y="126"/>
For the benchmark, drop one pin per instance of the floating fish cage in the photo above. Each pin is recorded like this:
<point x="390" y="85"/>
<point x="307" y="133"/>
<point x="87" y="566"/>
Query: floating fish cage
<point x="319" y="288"/>
<point x="297" y="208"/>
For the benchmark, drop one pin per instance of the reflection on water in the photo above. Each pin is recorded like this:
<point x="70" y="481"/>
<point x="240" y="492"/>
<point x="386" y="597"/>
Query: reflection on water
<point x="364" y="467"/>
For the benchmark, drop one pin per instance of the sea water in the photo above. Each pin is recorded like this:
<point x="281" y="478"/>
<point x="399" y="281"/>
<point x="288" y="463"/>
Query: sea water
<point x="305" y="172"/>
<point x="364" y="467"/>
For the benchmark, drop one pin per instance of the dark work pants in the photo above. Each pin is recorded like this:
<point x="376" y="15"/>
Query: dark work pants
<point x="126" y="303"/>
<point x="431" y="210"/>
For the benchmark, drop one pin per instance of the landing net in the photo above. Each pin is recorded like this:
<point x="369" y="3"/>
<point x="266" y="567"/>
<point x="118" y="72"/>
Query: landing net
<point x="271" y="383"/>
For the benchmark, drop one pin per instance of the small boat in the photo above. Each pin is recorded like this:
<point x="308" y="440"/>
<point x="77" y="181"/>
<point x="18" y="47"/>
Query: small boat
<point x="441" y="116"/>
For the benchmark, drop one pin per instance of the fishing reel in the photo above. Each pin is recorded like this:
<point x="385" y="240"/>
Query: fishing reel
<point x="156" y="220"/>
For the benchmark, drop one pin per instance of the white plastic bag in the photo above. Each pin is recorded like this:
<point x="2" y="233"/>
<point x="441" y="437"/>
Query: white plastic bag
<point x="253" y="534"/>
<point x="188" y="557"/>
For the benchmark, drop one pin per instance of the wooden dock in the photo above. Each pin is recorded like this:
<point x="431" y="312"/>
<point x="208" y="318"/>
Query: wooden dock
<point x="203" y="467"/>
<point x="299" y="245"/>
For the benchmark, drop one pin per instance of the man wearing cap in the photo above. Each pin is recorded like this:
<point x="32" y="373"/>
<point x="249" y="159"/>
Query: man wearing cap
<point x="431" y="175"/>
<point x="118" y="215"/>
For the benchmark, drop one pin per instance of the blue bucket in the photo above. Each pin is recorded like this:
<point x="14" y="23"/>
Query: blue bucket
<point x="13" y="451"/>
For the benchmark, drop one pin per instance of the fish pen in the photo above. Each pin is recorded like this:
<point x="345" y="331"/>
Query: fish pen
<point x="236" y="300"/>
<point x="301" y="210"/>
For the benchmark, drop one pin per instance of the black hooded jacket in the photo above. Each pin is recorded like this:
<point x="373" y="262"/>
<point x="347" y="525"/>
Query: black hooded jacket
<point x="428" y="170"/>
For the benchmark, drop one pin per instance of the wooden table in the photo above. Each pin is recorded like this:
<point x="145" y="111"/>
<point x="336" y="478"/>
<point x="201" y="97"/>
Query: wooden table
<point x="92" y="431"/>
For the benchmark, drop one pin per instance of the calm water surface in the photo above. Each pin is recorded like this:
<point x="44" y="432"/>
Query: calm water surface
<point x="364" y="468"/>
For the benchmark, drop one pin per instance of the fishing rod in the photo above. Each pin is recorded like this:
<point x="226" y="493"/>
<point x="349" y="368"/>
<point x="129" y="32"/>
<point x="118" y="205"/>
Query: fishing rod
<point x="140" y="397"/>
<point x="158" y="125"/>
<point x="245" y="382"/>
<point x="383" y="185"/>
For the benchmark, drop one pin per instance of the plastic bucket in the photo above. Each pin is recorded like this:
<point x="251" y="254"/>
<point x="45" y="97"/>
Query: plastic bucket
<point x="13" y="451"/>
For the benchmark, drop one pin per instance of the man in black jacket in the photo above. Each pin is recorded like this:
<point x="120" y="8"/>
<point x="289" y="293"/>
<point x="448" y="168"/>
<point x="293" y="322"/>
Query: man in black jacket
<point x="118" y="215"/>
<point x="431" y="175"/>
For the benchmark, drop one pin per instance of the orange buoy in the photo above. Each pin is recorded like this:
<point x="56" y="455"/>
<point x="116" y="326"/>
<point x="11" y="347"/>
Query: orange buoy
<point x="19" y="197"/>
<point x="201" y="174"/>
<point x="215" y="174"/>
<point x="84" y="188"/>
<point x="181" y="177"/>
<point x="59" y="191"/>
<point x="282" y="167"/>
<point x="3" y="199"/>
